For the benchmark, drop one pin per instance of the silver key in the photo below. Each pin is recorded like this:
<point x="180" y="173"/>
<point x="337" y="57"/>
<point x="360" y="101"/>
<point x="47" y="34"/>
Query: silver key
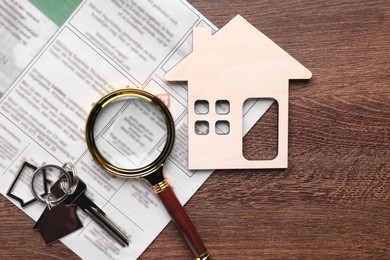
<point x="79" y="199"/>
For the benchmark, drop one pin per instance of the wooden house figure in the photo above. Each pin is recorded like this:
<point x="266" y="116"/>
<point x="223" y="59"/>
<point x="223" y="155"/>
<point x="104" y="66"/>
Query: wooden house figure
<point x="236" y="63"/>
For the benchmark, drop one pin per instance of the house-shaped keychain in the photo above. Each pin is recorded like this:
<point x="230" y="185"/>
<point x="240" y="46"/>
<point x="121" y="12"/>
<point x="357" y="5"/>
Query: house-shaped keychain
<point x="226" y="68"/>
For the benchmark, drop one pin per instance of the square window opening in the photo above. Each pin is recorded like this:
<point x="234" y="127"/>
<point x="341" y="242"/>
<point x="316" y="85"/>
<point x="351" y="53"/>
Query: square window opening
<point x="202" y="127"/>
<point x="222" y="107"/>
<point x="201" y="107"/>
<point x="222" y="127"/>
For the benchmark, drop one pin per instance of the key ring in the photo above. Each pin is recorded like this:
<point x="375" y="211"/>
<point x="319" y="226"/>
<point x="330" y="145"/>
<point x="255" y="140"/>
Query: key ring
<point x="69" y="167"/>
<point x="47" y="197"/>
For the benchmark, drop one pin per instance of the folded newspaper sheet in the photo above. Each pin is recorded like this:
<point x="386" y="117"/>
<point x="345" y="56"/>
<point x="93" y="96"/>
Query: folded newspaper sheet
<point x="104" y="46"/>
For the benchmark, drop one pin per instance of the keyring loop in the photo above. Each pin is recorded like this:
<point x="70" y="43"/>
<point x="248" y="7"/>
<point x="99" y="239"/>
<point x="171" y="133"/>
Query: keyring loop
<point x="69" y="167"/>
<point x="50" y="200"/>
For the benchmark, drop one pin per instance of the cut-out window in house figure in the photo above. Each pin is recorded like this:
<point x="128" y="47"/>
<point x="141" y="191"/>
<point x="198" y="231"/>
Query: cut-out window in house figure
<point x="202" y="127"/>
<point x="201" y="107"/>
<point x="222" y="107"/>
<point x="222" y="127"/>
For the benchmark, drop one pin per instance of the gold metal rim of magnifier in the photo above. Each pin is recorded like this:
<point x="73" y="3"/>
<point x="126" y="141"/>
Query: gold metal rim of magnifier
<point x="123" y="172"/>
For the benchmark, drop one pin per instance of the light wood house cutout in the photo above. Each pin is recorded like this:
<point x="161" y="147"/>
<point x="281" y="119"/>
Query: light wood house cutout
<point x="236" y="63"/>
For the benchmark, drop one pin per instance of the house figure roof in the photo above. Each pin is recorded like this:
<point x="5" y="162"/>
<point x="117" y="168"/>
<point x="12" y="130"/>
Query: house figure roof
<point x="238" y="42"/>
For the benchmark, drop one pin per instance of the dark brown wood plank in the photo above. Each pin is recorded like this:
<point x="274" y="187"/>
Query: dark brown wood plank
<point x="333" y="200"/>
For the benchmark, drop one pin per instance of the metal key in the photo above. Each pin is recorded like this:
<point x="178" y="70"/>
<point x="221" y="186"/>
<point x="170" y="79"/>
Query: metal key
<point x="79" y="199"/>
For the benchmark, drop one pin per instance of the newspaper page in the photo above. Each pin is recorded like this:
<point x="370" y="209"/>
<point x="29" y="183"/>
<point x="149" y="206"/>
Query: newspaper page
<point x="104" y="46"/>
<point x="25" y="27"/>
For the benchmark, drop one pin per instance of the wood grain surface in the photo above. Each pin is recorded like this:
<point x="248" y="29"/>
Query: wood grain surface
<point x="333" y="202"/>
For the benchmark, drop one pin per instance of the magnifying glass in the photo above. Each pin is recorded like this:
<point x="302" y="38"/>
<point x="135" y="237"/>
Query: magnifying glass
<point x="130" y="133"/>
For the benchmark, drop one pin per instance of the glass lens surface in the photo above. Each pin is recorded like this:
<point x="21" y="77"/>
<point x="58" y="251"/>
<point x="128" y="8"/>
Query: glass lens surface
<point x="130" y="132"/>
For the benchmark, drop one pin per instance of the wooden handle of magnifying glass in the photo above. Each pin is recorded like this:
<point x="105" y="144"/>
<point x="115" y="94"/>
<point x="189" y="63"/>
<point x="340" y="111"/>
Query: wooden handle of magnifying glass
<point x="182" y="221"/>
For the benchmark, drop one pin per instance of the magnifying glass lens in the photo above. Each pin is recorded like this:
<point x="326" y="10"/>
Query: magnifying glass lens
<point x="130" y="132"/>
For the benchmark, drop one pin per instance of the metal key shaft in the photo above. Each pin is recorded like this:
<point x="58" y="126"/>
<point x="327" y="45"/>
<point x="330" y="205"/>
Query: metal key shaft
<point x="79" y="199"/>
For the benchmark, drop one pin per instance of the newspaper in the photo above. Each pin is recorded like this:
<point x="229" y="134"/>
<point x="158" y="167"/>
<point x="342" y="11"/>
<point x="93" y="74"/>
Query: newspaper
<point x="24" y="30"/>
<point x="104" y="46"/>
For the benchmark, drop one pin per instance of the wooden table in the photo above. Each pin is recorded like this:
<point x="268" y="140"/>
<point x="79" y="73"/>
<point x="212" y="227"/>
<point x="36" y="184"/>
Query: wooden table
<point x="333" y="201"/>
